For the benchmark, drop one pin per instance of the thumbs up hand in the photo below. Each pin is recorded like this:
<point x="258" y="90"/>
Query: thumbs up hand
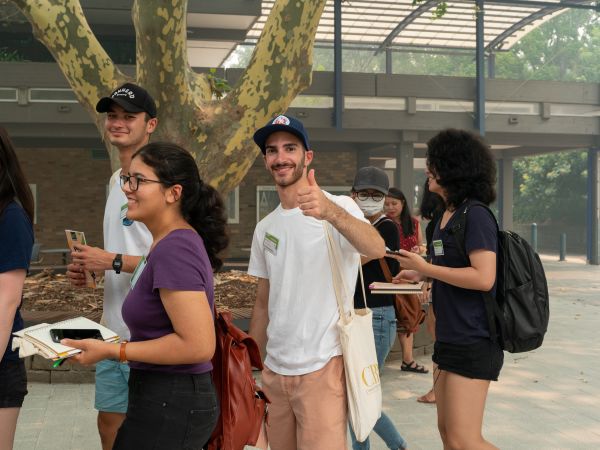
<point x="312" y="200"/>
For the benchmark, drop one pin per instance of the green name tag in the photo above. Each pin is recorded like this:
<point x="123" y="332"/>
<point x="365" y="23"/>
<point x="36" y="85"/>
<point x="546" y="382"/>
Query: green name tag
<point x="271" y="243"/>
<point x="438" y="247"/>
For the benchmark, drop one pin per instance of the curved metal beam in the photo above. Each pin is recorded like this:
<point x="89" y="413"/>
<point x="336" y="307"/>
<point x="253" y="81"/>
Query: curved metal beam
<point x="426" y="6"/>
<point x="497" y="41"/>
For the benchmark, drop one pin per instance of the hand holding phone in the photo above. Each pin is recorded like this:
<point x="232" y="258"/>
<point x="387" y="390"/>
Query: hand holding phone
<point x="57" y="334"/>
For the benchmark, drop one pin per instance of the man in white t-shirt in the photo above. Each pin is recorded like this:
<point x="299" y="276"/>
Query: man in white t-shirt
<point x="296" y="312"/>
<point x="130" y="120"/>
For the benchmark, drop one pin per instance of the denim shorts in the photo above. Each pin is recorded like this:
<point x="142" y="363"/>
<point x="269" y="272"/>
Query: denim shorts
<point x="13" y="383"/>
<point x="112" y="390"/>
<point x="481" y="360"/>
<point x="168" y="411"/>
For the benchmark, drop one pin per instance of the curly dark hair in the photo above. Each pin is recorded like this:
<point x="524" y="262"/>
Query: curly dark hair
<point x="463" y="165"/>
<point x="201" y="205"/>
<point x="430" y="202"/>
<point x="406" y="220"/>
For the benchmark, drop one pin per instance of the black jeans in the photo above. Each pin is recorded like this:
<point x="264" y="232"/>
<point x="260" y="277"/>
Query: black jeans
<point x="168" y="411"/>
<point x="13" y="383"/>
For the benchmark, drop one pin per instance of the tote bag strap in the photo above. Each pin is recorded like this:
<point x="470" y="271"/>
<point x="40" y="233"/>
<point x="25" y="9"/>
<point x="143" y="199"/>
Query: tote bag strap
<point x="338" y="285"/>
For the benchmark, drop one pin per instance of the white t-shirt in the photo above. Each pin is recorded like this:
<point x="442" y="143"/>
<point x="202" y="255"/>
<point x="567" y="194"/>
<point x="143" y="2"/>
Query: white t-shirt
<point x="120" y="236"/>
<point x="290" y="250"/>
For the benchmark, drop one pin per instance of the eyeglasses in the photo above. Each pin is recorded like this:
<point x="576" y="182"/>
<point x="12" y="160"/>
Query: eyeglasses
<point x="134" y="181"/>
<point x="364" y="195"/>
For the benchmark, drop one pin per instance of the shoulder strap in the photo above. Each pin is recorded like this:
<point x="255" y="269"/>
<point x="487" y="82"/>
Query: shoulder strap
<point x="336" y="273"/>
<point x="386" y="270"/>
<point x="458" y="231"/>
<point x="380" y="220"/>
<point x="382" y="262"/>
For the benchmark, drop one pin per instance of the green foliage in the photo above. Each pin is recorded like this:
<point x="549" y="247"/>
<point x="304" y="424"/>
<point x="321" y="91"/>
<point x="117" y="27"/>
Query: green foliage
<point x="564" y="49"/>
<point x="550" y="187"/>
<point x="439" y="11"/>
<point x="218" y="86"/>
<point x="9" y="55"/>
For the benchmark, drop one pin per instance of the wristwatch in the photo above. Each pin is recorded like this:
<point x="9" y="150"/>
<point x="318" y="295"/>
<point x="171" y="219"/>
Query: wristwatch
<point x="117" y="263"/>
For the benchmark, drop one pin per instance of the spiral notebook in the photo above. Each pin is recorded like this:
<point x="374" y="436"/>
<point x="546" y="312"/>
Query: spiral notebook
<point x="39" y="336"/>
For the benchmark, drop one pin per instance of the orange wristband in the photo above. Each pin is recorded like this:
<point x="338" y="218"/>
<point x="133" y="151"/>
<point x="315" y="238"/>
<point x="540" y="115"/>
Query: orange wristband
<point x="122" y="354"/>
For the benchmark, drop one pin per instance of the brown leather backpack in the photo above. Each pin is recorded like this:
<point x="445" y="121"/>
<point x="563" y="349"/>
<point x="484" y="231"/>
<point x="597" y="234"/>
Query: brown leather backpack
<point x="409" y="311"/>
<point x="243" y="404"/>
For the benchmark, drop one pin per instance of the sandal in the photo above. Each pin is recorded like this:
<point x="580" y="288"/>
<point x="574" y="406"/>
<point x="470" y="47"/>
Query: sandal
<point x="413" y="367"/>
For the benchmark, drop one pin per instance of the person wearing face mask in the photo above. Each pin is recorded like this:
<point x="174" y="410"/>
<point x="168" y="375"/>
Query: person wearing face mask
<point x="368" y="191"/>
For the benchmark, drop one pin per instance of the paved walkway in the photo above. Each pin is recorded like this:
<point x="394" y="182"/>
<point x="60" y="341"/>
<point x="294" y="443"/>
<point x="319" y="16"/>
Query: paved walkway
<point x="545" y="399"/>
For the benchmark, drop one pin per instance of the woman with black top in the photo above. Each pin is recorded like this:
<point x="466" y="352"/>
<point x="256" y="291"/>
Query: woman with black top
<point x="460" y="168"/>
<point x="16" y="242"/>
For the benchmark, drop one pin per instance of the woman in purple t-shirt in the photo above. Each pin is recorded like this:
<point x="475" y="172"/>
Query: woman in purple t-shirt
<point x="460" y="168"/>
<point x="172" y="401"/>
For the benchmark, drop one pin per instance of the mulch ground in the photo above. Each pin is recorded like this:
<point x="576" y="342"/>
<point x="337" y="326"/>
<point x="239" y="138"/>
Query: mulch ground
<point x="48" y="291"/>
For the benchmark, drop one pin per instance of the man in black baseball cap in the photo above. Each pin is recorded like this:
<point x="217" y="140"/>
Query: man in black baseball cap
<point x="131" y="97"/>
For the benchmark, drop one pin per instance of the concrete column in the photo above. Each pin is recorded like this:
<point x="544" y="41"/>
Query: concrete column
<point x="593" y="208"/>
<point x="505" y="193"/>
<point x="404" y="177"/>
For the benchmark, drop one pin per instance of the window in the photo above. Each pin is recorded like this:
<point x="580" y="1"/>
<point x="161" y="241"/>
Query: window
<point x="267" y="198"/>
<point x="232" y="206"/>
<point x="8" y="95"/>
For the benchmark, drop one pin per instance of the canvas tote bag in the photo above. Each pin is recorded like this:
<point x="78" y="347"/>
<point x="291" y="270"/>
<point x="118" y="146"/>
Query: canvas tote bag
<point x="363" y="385"/>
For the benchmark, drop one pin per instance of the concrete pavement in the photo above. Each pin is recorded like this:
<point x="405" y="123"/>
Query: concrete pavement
<point x="545" y="399"/>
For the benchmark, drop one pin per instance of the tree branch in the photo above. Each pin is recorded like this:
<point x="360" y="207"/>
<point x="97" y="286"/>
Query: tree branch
<point x="61" y="26"/>
<point x="280" y="68"/>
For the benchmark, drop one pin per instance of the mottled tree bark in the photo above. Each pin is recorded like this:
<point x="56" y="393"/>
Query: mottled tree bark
<point x="217" y="132"/>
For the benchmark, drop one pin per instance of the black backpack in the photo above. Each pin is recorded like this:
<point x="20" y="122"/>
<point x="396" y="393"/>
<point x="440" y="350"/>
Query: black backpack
<point x="518" y="316"/>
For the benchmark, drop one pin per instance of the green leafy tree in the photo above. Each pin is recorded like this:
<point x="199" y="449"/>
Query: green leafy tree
<point x="550" y="187"/>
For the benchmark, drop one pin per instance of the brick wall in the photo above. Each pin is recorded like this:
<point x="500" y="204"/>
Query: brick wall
<point x="71" y="193"/>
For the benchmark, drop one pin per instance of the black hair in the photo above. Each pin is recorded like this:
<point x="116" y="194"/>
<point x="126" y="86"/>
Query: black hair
<point x="13" y="185"/>
<point x="462" y="164"/>
<point x="201" y="205"/>
<point x="431" y="203"/>
<point x="406" y="221"/>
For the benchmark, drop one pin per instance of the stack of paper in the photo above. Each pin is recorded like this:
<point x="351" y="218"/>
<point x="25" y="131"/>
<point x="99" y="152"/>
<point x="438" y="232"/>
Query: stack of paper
<point x="39" y="337"/>
<point x="396" y="288"/>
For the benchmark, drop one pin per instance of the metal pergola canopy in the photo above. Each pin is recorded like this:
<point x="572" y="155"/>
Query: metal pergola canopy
<point x="392" y="24"/>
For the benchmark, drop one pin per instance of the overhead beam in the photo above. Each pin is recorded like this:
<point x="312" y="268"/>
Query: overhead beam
<point x="585" y="4"/>
<point x="425" y="6"/>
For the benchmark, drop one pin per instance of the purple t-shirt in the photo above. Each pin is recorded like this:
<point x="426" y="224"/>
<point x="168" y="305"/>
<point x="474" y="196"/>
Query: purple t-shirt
<point x="460" y="313"/>
<point x="178" y="262"/>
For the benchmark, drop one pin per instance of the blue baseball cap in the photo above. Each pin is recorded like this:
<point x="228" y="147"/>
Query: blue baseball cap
<point x="281" y="123"/>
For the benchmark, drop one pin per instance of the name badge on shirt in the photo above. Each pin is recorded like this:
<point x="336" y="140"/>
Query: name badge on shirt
<point x="126" y="222"/>
<point x="138" y="271"/>
<point x="271" y="243"/>
<point x="438" y="247"/>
